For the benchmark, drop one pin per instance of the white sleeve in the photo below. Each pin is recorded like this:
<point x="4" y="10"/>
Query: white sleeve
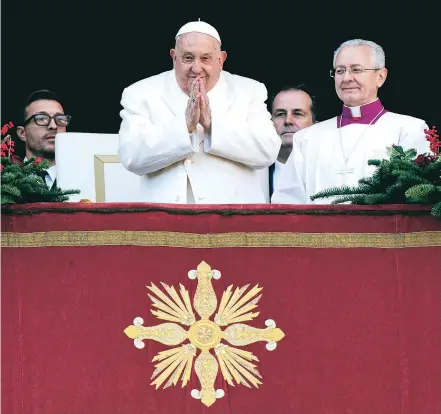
<point x="413" y="136"/>
<point x="252" y="141"/>
<point x="144" y="146"/>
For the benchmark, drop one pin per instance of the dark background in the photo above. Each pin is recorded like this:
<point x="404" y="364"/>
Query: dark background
<point x="88" y="52"/>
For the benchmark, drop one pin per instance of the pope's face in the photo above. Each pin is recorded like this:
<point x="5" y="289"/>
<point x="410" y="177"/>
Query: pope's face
<point x="197" y="55"/>
<point x="356" y="89"/>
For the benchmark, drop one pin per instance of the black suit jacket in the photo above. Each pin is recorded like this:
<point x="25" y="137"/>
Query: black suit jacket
<point x="271" y="179"/>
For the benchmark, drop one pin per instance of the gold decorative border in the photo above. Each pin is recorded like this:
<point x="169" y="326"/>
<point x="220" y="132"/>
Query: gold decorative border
<point x="99" y="161"/>
<point x="221" y="240"/>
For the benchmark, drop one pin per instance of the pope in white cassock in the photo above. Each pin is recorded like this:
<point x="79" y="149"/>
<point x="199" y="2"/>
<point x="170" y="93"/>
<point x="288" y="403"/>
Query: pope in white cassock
<point x="197" y="134"/>
<point x="335" y="152"/>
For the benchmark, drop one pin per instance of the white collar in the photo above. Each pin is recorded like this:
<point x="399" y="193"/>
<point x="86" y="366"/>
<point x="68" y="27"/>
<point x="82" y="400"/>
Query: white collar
<point x="356" y="110"/>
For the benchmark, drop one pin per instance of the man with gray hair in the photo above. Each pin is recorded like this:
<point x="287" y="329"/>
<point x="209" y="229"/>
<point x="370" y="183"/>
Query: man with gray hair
<point x="197" y="134"/>
<point x="335" y="152"/>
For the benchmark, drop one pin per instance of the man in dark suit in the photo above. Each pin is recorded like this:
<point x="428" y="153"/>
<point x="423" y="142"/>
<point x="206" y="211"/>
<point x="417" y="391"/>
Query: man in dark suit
<point x="292" y="109"/>
<point x="44" y="117"/>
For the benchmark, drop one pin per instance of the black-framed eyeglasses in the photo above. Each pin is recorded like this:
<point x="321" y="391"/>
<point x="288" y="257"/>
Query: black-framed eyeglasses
<point x="356" y="70"/>
<point x="61" y="120"/>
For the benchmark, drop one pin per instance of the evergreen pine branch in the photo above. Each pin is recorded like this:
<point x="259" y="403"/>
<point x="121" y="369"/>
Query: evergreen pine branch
<point x="8" y="177"/>
<point x="32" y="180"/>
<point x="25" y="184"/>
<point x="12" y="168"/>
<point x="433" y="170"/>
<point x="366" y="181"/>
<point x="434" y="166"/>
<point x="407" y="165"/>
<point x="59" y="192"/>
<point x="60" y="198"/>
<point x="375" y="162"/>
<point x="378" y="198"/>
<point x="410" y="179"/>
<point x="11" y="190"/>
<point x="421" y="191"/>
<point x="436" y="210"/>
<point x="359" y="199"/>
<point x="7" y="199"/>
<point x="395" y="193"/>
<point x="382" y="179"/>
<point x="337" y="191"/>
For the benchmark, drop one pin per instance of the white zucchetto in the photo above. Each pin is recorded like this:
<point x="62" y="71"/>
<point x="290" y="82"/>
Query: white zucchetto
<point x="199" y="27"/>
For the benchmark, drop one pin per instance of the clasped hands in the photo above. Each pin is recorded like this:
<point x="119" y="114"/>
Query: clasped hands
<point x="198" y="108"/>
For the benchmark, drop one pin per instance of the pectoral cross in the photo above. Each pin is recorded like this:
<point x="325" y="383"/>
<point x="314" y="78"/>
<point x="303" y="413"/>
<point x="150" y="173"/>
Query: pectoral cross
<point x="343" y="172"/>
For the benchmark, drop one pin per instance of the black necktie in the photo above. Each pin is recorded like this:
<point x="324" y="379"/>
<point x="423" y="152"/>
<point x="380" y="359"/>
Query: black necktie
<point x="43" y="175"/>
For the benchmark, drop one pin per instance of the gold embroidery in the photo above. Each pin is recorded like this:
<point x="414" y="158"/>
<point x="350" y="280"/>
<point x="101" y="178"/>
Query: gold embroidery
<point x="205" y="335"/>
<point x="219" y="240"/>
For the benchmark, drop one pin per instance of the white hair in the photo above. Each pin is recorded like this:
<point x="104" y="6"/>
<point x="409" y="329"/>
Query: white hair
<point x="378" y="56"/>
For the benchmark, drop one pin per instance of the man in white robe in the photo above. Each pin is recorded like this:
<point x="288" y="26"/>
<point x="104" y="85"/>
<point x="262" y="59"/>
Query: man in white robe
<point x="197" y="134"/>
<point x="335" y="152"/>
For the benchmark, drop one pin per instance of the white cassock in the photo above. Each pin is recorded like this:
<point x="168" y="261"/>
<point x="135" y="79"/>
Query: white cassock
<point x="177" y="167"/>
<point x="325" y="155"/>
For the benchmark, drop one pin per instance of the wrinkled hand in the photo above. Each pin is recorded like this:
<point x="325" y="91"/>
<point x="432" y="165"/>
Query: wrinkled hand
<point x="204" y="105"/>
<point x="193" y="112"/>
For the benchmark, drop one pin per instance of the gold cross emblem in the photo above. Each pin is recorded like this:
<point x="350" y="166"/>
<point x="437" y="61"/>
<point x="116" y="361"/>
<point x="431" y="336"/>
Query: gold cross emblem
<point x="205" y="335"/>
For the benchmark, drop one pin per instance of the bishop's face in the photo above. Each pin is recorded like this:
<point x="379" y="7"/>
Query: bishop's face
<point x="197" y="55"/>
<point x="359" y="87"/>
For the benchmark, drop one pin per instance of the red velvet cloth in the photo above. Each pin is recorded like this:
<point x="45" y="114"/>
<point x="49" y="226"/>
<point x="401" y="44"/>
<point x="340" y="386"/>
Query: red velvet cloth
<point x="362" y="325"/>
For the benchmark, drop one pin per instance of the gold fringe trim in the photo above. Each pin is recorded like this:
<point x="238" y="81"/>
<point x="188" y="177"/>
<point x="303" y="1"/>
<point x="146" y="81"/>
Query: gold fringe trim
<point x="219" y="240"/>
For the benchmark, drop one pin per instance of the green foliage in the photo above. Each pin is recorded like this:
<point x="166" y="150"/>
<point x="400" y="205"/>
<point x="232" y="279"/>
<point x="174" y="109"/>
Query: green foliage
<point x="396" y="180"/>
<point x="436" y="209"/>
<point x="422" y="191"/>
<point x="24" y="183"/>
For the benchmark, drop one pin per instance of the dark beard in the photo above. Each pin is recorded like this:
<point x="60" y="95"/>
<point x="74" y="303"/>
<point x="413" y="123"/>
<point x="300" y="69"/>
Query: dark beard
<point x="47" y="155"/>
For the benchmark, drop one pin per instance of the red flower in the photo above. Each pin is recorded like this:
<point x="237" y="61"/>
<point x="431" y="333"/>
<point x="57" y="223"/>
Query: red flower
<point x="7" y="146"/>
<point x="17" y="160"/>
<point x="6" y="127"/>
<point x="38" y="160"/>
<point x="433" y="137"/>
<point x="424" y="160"/>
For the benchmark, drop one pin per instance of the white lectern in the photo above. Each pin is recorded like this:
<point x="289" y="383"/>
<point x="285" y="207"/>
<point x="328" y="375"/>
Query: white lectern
<point x="89" y="162"/>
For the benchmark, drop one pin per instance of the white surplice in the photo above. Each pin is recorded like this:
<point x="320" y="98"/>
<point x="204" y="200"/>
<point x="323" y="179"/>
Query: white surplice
<point x="180" y="168"/>
<point x="317" y="163"/>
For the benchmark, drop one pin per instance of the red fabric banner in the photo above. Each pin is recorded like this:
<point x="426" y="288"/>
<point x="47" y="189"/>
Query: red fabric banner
<point x="355" y="290"/>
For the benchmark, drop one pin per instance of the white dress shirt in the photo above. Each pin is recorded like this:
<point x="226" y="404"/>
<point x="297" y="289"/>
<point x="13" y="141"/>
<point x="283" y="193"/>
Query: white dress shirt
<point x="277" y="170"/>
<point x="51" y="175"/>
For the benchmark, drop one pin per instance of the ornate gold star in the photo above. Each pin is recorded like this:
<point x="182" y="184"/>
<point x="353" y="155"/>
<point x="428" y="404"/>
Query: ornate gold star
<point x="204" y="334"/>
